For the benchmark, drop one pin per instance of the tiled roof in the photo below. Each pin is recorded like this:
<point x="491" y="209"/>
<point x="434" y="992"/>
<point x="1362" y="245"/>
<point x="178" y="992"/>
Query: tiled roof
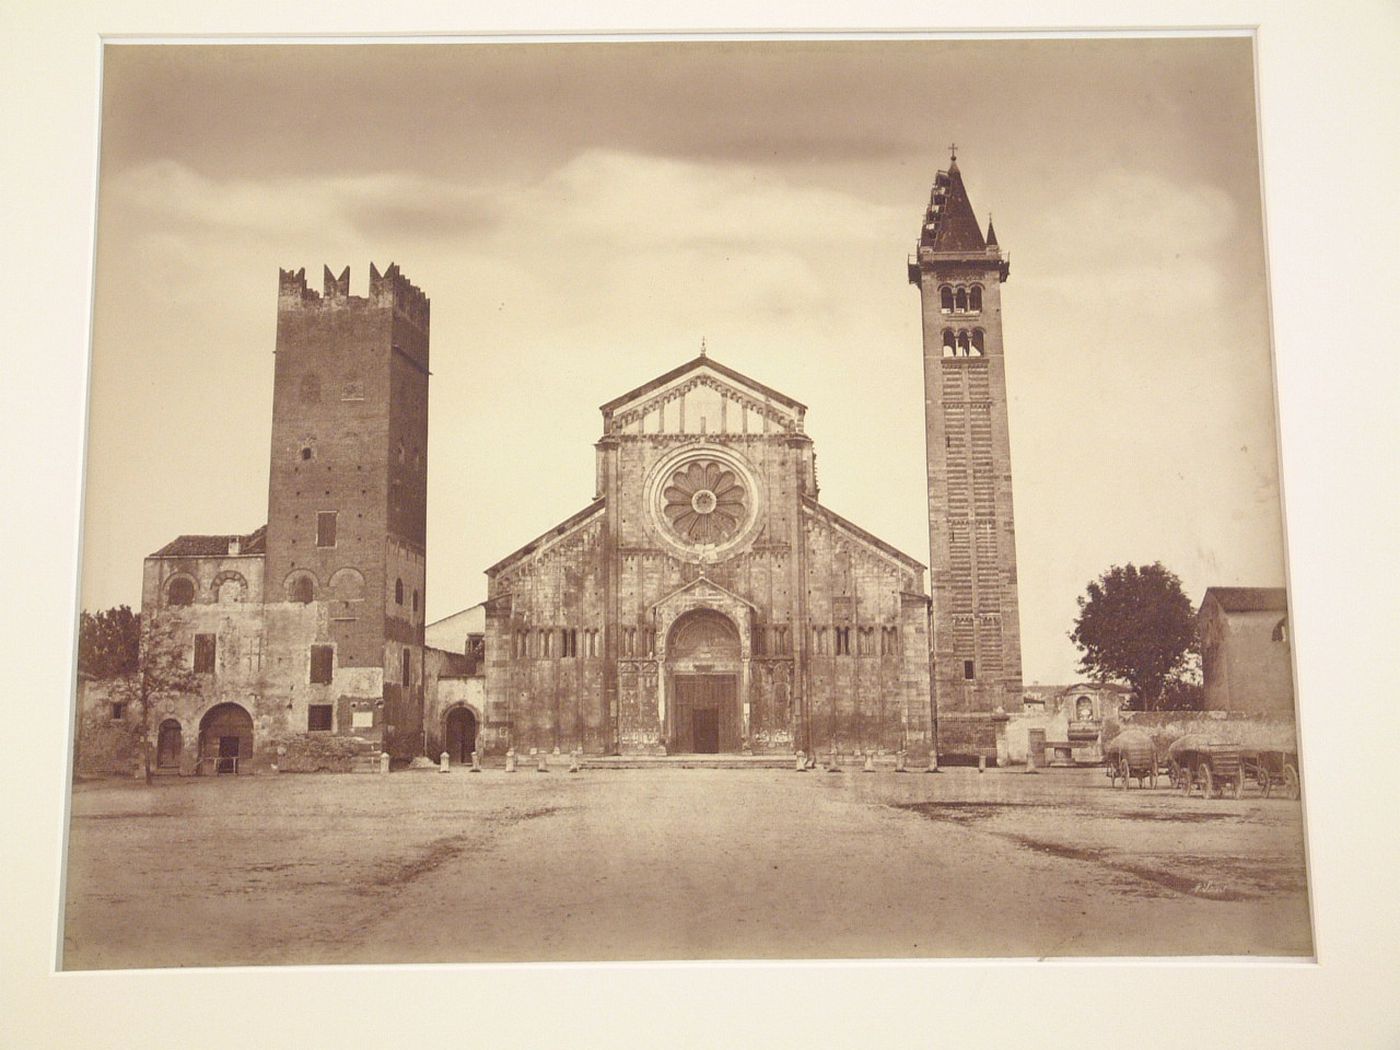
<point x="955" y="227"/>
<point x="254" y="542"/>
<point x="694" y="364"/>
<point x="1249" y="599"/>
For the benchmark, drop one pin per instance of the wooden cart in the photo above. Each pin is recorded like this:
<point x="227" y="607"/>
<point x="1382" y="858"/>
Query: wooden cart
<point x="1131" y="754"/>
<point x="1274" y="770"/>
<point x="1214" y="769"/>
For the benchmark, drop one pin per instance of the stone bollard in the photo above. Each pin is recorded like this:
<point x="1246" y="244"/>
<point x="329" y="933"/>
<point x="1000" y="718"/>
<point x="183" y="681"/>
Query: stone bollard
<point x="444" y="763"/>
<point x="801" y="763"/>
<point x="383" y="762"/>
<point x="899" y="759"/>
<point x="933" y="761"/>
<point x="869" y="766"/>
<point x="832" y="765"/>
<point x="476" y="761"/>
<point x="981" y="763"/>
<point x="542" y="762"/>
<point x="510" y="760"/>
<point x="573" y="761"/>
<point x="556" y="750"/>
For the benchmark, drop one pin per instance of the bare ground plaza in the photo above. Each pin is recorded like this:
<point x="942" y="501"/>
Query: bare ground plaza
<point x="673" y="863"/>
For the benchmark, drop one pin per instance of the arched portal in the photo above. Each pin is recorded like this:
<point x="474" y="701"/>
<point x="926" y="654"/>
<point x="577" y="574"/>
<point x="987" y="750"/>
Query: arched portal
<point x="703" y="661"/>
<point x="225" y="740"/>
<point x="170" y="742"/>
<point x="459" y="734"/>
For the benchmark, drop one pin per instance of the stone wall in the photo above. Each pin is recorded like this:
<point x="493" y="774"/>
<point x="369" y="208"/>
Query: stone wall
<point x="106" y="745"/>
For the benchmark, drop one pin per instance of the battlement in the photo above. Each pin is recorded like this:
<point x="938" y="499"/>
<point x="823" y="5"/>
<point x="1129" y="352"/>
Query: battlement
<point x="388" y="289"/>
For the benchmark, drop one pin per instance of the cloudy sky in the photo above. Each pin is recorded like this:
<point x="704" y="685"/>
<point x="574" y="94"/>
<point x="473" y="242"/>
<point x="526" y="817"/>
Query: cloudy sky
<point x="581" y="215"/>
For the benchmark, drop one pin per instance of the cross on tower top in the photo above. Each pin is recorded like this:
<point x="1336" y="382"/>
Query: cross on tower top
<point x="953" y="152"/>
<point x="702" y="346"/>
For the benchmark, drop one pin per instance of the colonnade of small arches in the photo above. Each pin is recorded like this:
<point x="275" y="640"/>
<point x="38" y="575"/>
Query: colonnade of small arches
<point x="960" y="299"/>
<point x="964" y="342"/>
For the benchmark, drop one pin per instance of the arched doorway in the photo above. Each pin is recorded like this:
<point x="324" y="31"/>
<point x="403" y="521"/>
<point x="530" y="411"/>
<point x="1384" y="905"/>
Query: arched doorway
<point x="225" y="740"/>
<point x="459" y="734"/>
<point x="703" y="655"/>
<point x="170" y="742"/>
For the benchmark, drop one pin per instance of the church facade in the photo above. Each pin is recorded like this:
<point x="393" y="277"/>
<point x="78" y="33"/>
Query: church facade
<point x="705" y="601"/>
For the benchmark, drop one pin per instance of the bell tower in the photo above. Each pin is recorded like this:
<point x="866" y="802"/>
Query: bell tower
<point x="976" y="638"/>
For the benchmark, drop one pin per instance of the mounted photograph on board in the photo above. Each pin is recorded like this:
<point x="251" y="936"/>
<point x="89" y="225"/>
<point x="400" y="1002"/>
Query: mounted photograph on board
<point x="459" y="581"/>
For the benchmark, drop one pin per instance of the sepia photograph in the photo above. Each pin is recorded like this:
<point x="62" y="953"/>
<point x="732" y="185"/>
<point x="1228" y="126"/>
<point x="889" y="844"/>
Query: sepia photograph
<point x="619" y="501"/>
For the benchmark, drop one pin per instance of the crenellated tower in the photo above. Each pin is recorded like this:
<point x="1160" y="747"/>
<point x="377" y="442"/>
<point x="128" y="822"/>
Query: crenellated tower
<point x="347" y="502"/>
<point x="976" y="641"/>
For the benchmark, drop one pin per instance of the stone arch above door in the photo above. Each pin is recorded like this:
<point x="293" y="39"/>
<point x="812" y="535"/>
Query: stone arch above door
<point x="702" y="594"/>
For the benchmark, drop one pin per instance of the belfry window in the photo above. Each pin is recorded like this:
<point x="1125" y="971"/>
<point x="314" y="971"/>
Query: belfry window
<point x="979" y="342"/>
<point x="974" y="299"/>
<point x="945" y="299"/>
<point x="964" y="346"/>
<point x="949" y="343"/>
<point x="960" y="301"/>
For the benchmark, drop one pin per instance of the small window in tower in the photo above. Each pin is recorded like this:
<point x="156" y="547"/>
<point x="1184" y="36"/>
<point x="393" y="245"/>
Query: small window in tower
<point x="318" y="718"/>
<point x="180" y="591"/>
<point x="322" y="664"/>
<point x="119" y="711"/>
<point x="974" y="299"/>
<point x="325" y="528"/>
<point x="398" y="592"/>
<point x="843" y="641"/>
<point x="407" y="678"/>
<point x="415" y="599"/>
<point x="960" y="301"/>
<point x="204" y="646"/>
<point x="307" y="452"/>
<point x="969" y="671"/>
<point x="945" y="299"/>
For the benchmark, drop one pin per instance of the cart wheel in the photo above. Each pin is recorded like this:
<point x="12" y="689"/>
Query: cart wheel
<point x="1207" y="782"/>
<point x="1183" y="779"/>
<point x="1290" y="781"/>
<point x="1239" y="785"/>
<point x="1266" y="783"/>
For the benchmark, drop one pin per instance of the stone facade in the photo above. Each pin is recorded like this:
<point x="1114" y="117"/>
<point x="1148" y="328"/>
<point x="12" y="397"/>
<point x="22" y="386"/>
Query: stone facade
<point x="1068" y="720"/>
<point x="705" y="600"/>
<point x="1246" y="657"/>
<point x="972" y="533"/>
<point x="303" y="641"/>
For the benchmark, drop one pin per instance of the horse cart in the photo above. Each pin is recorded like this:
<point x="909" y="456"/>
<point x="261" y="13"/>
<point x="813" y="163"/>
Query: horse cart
<point x="1216" y="769"/>
<point x="1131" y="754"/>
<point x="1274" y="770"/>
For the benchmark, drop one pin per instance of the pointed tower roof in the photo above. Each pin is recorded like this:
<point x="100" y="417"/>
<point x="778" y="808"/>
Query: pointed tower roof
<point x="955" y="226"/>
<point x="991" y="233"/>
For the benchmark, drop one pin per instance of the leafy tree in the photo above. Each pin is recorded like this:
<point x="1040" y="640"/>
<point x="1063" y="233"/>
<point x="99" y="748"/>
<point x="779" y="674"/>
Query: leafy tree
<point x="109" y="642"/>
<point x="163" y="670"/>
<point x="1136" y="625"/>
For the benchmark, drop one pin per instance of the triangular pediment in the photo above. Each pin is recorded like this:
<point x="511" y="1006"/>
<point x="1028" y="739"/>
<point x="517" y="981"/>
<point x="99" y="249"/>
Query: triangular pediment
<point x="705" y="590"/>
<point x="703" y="396"/>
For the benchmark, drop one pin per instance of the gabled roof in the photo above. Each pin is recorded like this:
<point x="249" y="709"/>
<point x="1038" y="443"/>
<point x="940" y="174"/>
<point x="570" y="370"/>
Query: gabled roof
<point x="254" y="542"/>
<point x="567" y="525"/>
<point x="955" y="226"/>
<point x="695" y="365"/>
<point x="866" y="537"/>
<point x="1248" y="599"/>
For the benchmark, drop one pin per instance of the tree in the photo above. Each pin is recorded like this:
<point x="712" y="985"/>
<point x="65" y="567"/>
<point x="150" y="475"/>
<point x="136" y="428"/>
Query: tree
<point x="109" y="642"/>
<point x="1136" y="625"/>
<point x="163" y="670"/>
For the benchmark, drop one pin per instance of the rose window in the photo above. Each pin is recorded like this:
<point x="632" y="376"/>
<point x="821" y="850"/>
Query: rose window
<point x="705" y="502"/>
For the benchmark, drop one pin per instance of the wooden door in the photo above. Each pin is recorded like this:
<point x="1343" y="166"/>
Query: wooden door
<point x="705" y="727"/>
